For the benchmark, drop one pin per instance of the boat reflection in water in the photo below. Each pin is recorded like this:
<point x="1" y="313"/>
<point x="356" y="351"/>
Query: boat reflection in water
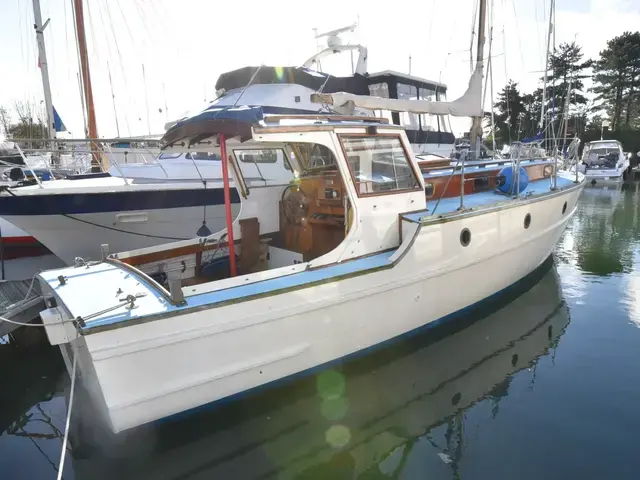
<point x="362" y="418"/>
<point x="604" y="232"/>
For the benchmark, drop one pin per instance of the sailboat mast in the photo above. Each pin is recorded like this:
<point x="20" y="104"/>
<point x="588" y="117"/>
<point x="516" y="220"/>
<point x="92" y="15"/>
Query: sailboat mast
<point x="86" y="81"/>
<point x="44" y="67"/>
<point x="546" y="64"/>
<point x="476" y="126"/>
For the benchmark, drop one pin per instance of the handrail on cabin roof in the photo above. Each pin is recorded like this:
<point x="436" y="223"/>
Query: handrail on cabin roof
<point x="331" y="117"/>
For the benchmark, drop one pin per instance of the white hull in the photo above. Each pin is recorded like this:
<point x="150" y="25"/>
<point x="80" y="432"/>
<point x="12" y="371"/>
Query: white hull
<point x="190" y="359"/>
<point x="9" y="230"/>
<point x="484" y="357"/>
<point x="71" y="236"/>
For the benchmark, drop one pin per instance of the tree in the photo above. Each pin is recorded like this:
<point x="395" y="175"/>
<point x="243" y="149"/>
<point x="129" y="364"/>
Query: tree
<point x="617" y="80"/>
<point x="566" y="69"/>
<point x="5" y="120"/>
<point x="508" y="112"/>
<point x="31" y="122"/>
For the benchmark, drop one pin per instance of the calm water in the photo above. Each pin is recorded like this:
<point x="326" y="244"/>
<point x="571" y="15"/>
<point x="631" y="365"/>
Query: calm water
<point x="544" y="384"/>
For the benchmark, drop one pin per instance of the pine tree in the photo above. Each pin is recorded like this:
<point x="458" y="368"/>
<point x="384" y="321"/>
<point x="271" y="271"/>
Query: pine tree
<point x="508" y="112"/>
<point x="566" y="69"/>
<point x="617" y="80"/>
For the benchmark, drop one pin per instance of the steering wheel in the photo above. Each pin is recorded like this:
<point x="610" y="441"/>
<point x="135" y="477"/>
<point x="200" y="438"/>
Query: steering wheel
<point x="317" y="161"/>
<point x="295" y="204"/>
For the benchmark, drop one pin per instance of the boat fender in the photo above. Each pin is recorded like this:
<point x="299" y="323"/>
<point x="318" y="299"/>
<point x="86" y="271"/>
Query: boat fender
<point x="505" y="180"/>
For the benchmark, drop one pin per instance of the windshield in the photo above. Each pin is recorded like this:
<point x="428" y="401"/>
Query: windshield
<point x="379" y="164"/>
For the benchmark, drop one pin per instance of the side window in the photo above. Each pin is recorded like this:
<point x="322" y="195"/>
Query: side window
<point x="379" y="90"/>
<point x="379" y="164"/>
<point x="408" y="120"/>
<point x="428" y="123"/>
<point x="202" y="156"/>
<point x="257" y="156"/>
<point x="265" y="164"/>
<point x="169" y="156"/>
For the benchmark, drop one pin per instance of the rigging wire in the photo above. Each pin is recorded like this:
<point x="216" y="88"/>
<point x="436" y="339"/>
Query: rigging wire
<point x="535" y="6"/>
<point x="66" y="41"/>
<point x="515" y="15"/>
<point x="124" y="76"/>
<point x="473" y="33"/>
<point x="110" y="54"/>
<point x="21" y="33"/>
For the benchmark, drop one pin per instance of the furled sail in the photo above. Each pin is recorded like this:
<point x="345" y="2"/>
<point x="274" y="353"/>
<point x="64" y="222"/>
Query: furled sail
<point x="468" y="105"/>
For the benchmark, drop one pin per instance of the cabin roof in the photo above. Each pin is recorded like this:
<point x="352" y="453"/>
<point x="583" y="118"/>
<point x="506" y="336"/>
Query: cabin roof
<point x="417" y="80"/>
<point x="240" y="121"/>
<point x="312" y="79"/>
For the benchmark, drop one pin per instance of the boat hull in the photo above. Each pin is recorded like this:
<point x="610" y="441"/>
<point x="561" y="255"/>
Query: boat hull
<point x="76" y="224"/>
<point x="205" y="354"/>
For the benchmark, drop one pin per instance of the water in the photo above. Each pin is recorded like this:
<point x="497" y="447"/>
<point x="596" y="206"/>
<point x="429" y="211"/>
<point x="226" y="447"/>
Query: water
<point x="542" y="384"/>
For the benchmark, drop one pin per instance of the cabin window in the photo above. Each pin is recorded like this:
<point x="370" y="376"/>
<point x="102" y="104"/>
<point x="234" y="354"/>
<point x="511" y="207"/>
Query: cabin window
<point x="408" y="120"/>
<point x="257" y="156"/>
<point x="263" y="164"/>
<point x="169" y="156"/>
<point x="202" y="156"/>
<point x="379" y="164"/>
<point x="441" y="96"/>
<point x="379" y="90"/>
<point x="427" y="94"/>
<point x="428" y="123"/>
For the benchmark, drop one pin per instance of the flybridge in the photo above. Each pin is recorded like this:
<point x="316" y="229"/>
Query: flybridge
<point x="468" y="105"/>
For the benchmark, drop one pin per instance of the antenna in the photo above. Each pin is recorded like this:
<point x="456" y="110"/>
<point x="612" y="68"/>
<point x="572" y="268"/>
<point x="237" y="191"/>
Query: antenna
<point x="337" y="31"/>
<point x="146" y="98"/>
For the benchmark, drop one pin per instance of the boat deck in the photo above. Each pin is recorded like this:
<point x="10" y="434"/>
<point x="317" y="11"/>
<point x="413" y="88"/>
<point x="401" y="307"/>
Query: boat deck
<point x="77" y="292"/>
<point x="483" y="199"/>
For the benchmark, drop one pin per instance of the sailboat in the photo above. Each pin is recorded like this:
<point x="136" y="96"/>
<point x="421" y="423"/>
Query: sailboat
<point x="345" y="258"/>
<point x="149" y="204"/>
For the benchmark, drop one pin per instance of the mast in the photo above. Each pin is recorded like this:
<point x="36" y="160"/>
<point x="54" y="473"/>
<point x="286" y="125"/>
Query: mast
<point x="44" y="68"/>
<point x="546" y="64"/>
<point x="86" y="82"/>
<point x="476" y="126"/>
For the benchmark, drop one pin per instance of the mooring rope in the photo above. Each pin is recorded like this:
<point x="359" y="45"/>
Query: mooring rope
<point x="129" y="301"/>
<point x="65" y="439"/>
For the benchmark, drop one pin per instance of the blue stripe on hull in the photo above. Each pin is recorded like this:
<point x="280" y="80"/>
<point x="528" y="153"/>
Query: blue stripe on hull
<point x="453" y="320"/>
<point x="122" y="201"/>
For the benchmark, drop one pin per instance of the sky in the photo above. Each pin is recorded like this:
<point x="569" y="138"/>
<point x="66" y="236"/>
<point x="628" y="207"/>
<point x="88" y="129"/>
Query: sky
<point x="184" y="45"/>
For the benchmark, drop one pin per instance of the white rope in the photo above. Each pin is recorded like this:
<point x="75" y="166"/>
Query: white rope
<point x="66" y="427"/>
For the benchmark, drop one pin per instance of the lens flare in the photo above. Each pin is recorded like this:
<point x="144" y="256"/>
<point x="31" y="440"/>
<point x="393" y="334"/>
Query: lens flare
<point x="338" y="436"/>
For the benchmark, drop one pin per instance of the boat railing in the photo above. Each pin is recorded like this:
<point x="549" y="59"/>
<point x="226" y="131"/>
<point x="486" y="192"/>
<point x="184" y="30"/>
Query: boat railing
<point x="79" y="154"/>
<point x="26" y="162"/>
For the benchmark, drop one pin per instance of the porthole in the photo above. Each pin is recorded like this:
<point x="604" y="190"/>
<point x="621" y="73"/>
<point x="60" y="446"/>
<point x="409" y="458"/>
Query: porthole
<point x="465" y="237"/>
<point x="550" y="332"/>
<point x="455" y="400"/>
<point x="429" y="189"/>
<point x="514" y="359"/>
<point x="527" y="220"/>
<point x="564" y="208"/>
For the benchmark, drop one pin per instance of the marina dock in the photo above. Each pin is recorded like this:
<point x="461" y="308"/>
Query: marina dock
<point x="17" y="306"/>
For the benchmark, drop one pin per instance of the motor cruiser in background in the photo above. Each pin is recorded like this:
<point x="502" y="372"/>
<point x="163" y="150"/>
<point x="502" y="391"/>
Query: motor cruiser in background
<point x="604" y="161"/>
<point x="287" y="90"/>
